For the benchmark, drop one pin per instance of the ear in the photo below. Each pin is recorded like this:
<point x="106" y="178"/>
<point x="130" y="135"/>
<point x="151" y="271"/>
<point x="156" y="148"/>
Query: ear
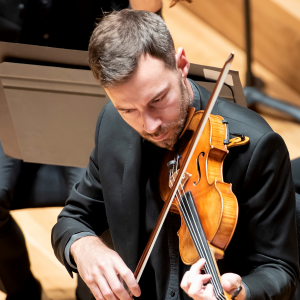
<point x="182" y="63"/>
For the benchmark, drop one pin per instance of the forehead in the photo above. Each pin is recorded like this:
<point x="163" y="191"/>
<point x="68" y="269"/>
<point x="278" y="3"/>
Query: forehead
<point x="150" y="76"/>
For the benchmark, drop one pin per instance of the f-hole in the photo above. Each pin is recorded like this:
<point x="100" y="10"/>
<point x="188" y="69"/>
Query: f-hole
<point x="198" y="167"/>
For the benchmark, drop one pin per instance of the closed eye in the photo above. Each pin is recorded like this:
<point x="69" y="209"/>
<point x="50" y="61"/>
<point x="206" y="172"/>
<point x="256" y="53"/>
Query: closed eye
<point x="157" y="100"/>
<point x="128" y="111"/>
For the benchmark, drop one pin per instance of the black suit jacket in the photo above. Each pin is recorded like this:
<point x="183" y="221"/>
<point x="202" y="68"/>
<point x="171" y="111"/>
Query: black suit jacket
<point x="264" y="246"/>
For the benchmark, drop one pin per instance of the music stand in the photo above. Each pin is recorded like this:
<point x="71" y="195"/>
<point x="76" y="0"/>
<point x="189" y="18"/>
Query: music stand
<point x="50" y="102"/>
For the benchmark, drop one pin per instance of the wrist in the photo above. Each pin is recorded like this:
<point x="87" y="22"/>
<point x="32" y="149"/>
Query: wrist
<point x="80" y="245"/>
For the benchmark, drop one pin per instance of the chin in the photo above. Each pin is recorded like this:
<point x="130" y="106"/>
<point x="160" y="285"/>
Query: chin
<point x="167" y="144"/>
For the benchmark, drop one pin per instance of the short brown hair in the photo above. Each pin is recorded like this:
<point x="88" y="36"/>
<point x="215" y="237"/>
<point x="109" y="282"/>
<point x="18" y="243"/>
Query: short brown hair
<point x="121" y="38"/>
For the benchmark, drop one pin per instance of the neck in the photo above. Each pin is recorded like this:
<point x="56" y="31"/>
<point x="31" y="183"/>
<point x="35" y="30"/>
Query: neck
<point x="190" y="90"/>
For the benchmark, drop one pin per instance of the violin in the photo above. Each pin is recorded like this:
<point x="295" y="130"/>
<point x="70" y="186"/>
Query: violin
<point x="191" y="184"/>
<point x="202" y="190"/>
<point x="207" y="206"/>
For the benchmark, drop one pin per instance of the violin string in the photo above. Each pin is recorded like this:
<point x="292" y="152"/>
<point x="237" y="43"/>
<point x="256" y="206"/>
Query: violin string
<point x="200" y="236"/>
<point x="196" y="239"/>
<point x="208" y="270"/>
<point x="206" y="254"/>
<point x="210" y="267"/>
<point x="217" y="286"/>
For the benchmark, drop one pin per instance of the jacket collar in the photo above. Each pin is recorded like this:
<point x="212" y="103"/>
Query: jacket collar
<point x="201" y="97"/>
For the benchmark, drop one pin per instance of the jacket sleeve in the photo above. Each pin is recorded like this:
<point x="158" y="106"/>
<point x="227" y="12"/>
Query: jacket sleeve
<point x="269" y="221"/>
<point x="85" y="208"/>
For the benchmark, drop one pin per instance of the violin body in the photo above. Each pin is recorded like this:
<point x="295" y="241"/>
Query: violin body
<point x="214" y="200"/>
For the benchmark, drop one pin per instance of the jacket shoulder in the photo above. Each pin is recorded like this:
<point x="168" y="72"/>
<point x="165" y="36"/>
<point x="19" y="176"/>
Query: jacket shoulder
<point x="110" y="122"/>
<point x="113" y="134"/>
<point x="237" y="115"/>
<point x="243" y="116"/>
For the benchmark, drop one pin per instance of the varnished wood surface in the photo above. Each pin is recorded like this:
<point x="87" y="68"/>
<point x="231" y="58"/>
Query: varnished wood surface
<point x="218" y="212"/>
<point x="276" y="31"/>
<point x="204" y="45"/>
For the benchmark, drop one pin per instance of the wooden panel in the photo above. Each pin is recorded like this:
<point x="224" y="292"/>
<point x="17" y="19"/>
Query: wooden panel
<point x="205" y="45"/>
<point x="276" y="32"/>
<point x="291" y="6"/>
<point x="45" y="100"/>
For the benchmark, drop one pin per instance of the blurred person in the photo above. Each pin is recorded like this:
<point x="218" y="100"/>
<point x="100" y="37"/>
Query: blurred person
<point x="26" y="185"/>
<point x="59" y="23"/>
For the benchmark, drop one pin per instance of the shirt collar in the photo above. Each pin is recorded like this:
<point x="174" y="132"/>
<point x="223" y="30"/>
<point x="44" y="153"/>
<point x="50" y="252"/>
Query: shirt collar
<point x="196" y="95"/>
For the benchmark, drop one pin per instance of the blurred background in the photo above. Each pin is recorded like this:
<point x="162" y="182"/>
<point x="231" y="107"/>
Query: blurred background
<point x="208" y="31"/>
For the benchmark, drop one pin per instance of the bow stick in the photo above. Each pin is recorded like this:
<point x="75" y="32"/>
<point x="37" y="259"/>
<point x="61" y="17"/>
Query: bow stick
<point x="162" y="216"/>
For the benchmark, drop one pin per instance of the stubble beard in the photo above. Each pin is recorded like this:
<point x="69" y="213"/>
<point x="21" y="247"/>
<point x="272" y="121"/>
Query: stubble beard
<point x="176" y="127"/>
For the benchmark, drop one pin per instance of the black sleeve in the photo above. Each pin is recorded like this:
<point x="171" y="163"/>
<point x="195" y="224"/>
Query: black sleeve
<point x="270" y="221"/>
<point x="85" y="208"/>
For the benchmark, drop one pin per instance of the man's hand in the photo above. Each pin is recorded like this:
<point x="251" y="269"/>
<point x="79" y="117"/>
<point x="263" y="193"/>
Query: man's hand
<point x="193" y="283"/>
<point x="230" y="283"/>
<point x="99" y="267"/>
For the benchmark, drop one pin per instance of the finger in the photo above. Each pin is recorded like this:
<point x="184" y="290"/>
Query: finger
<point x="184" y="282"/>
<point x="96" y="292"/>
<point x="117" y="286"/>
<point x="130" y="280"/>
<point x="197" y="285"/>
<point x="209" y="291"/>
<point x="230" y="282"/>
<point x="195" y="270"/>
<point x="90" y="281"/>
<point x="105" y="288"/>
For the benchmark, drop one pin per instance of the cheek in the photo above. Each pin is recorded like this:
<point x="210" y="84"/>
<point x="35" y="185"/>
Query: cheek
<point x="134" y="123"/>
<point x="172" y="110"/>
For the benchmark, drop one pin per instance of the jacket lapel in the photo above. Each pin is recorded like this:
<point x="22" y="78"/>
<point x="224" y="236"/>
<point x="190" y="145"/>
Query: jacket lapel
<point x="131" y="197"/>
<point x="204" y="97"/>
<point x="120" y="161"/>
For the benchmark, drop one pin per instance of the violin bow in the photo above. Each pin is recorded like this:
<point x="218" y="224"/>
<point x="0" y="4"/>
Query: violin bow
<point x="162" y="216"/>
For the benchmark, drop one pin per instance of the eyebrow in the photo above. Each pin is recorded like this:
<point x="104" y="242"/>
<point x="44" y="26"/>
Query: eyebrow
<point x="156" y="96"/>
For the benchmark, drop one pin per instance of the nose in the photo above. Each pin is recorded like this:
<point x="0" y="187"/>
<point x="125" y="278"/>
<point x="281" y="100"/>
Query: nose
<point x="150" y="122"/>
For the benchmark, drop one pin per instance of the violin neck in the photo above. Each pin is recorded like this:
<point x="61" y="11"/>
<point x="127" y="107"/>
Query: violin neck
<point x="193" y="223"/>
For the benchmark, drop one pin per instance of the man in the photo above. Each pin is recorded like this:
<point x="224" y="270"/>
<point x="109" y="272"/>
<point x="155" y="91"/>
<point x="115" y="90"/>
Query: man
<point x="132" y="55"/>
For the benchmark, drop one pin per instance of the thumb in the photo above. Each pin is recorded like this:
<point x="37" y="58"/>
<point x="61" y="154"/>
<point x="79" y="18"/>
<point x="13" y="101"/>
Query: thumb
<point x="230" y="282"/>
